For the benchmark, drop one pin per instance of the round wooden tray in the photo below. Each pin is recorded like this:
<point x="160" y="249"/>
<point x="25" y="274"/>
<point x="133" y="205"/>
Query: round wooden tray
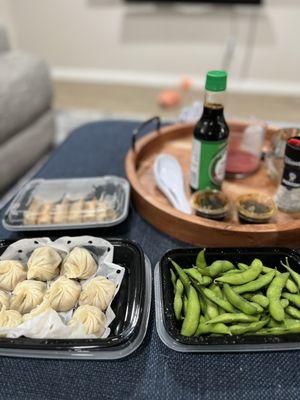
<point x="155" y="208"/>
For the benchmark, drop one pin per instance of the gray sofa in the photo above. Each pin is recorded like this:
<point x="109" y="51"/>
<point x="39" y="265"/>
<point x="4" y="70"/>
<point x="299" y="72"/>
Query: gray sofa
<point x="26" y="120"/>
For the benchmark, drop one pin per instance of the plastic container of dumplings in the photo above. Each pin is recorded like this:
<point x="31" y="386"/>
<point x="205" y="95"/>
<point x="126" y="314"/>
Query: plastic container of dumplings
<point x="168" y="327"/>
<point x="131" y="306"/>
<point x="60" y="204"/>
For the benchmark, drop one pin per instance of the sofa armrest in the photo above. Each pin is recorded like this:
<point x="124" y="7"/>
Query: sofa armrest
<point x="4" y="43"/>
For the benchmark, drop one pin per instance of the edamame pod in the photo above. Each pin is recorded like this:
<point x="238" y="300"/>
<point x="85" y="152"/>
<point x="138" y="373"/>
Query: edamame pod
<point x="290" y="326"/>
<point x="284" y="303"/>
<point x="194" y="273"/>
<point x="294" y="274"/>
<point x="191" y="319"/>
<point x="185" y="301"/>
<point x="247" y="328"/>
<point x="274" y="293"/>
<point x="238" y="301"/>
<point x="182" y="275"/>
<point x="220" y="329"/>
<point x="266" y="270"/>
<point x="260" y="299"/>
<point x="292" y="298"/>
<point x="245" y="276"/>
<point x="211" y="309"/>
<point x="217" y="268"/>
<point x="200" y="260"/>
<point x="293" y="312"/>
<point x="291" y="286"/>
<point x="173" y="279"/>
<point x="218" y="300"/>
<point x="228" y="318"/>
<point x="178" y="299"/>
<point x="242" y="266"/>
<point x="256" y="284"/>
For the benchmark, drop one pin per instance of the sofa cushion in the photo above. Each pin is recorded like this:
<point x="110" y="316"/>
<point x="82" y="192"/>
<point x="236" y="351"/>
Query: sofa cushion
<point x="22" y="151"/>
<point x="25" y="91"/>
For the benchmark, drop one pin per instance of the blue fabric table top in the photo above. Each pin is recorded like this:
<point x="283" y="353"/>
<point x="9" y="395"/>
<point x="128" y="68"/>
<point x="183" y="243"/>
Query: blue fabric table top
<point x="153" y="371"/>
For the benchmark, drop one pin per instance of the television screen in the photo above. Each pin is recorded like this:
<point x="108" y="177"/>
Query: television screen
<point x="199" y="1"/>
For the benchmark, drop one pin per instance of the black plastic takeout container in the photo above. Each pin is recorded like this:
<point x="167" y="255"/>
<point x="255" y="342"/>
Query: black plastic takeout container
<point x="169" y="328"/>
<point x="131" y="306"/>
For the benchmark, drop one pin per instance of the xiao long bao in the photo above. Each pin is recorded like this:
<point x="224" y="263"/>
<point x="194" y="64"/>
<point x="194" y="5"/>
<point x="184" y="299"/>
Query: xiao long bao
<point x="11" y="273"/>
<point x="98" y="292"/>
<point x="63" y="294"/>
<point x="43" y="264"/>
<point x="79" y="264"/>
<point x="27" y="295"/>
<point x="92" y="319"/>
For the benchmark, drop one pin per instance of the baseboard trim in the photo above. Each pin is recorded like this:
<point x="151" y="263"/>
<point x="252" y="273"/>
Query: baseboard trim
<point x="162" y="80"/>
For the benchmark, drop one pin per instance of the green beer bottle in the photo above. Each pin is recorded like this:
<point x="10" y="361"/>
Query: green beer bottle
<point x="210" y="136"/>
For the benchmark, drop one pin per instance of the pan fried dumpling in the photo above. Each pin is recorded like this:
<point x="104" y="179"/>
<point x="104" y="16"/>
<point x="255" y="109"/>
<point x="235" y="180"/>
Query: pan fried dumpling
<point x="89" y="211"/>
<point x="27" y="295"/>
<point x="92" y="319"/>
<point x="98" y="292"/>
<point x="45" y="214"/>
<point x="43" y="264"/>
<point x="11" y="273"/>
<point x="30" y="215"/>
<point x="10" y="318"/>
<point x="43" y="307"/>
<point x="60" y="214"/>
<point x="79" y="264"/>
<point x="4" y="300"/>
<point x="63" y="294"/>
<point x="75" y="211"/>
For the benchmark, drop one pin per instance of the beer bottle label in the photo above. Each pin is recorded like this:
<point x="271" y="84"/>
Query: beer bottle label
<point x="208" y="164"/>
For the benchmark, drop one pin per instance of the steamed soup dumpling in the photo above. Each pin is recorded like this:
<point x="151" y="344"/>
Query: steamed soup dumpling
<point x="98" y="292"/>
<point x="63" y="294"/>
<point x="41" y="308"/>
<point x="43" y="264"/>
<point x="4" y="300"/>
<point x="11" y="273"/>
<point x="79" y="264"/>
<point x="92" y="319"/>
<point x="27" y="295"/>
<point x="10" y="318"/>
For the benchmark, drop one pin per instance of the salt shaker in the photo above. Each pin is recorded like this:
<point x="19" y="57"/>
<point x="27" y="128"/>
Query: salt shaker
<point x="288" y="193"/>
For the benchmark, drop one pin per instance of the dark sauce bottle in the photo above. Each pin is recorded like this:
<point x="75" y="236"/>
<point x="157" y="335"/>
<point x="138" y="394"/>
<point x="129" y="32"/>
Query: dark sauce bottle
<point x="210" y="137"/>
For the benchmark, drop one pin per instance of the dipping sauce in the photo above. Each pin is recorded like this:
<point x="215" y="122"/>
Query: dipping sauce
<point x="255" y="208"/>
<point x="211" y="204"/>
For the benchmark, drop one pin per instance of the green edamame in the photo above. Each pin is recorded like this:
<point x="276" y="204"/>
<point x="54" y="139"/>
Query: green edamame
<point x="290" y="326"/>
<point x="182" y="275"/>
<point x="178" y="299"/>
<point x="195" y="274"/>
<point x="218" y="300"/>
<point x="291" y="286"/>
<point x="204" y="329"/>
<point x="242" y="266"/>
<point x="247" y="328"/>
<point x="228" y="318"/>
<point x="191" y="319"/>
<point x="200" y="260"/>
<point x="238" y="301"/>
<point x="211" y="309"/>
<point x="292" y="298"/>
<point x="274" y="293"/>
<point x="294" y="274"/>
<point x="217" y="268"/>
<point x="260" y="299"/>
<point x="256" y="284"/>
<point x="185" y="302"/>
<point x="245" y="276"/>
<point x="293" y="312"/>
<point x="284" y="303"/>
<point x="173" y="279"/>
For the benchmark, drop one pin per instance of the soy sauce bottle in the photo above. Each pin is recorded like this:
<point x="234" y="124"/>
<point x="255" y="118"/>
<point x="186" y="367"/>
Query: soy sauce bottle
<point x="210" y="137"/>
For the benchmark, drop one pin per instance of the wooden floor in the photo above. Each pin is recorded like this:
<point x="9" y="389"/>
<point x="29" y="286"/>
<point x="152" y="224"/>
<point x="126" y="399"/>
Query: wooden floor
<point x="133" y="100"/>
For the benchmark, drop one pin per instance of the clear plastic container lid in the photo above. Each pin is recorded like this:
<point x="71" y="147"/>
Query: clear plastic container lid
<point x="45" y="204"/>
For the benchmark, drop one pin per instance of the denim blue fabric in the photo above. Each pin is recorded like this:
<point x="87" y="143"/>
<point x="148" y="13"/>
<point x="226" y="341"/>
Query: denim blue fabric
<point x="153" y="371"/>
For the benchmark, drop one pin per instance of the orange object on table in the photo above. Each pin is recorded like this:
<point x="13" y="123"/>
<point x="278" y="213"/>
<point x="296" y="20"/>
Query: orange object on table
<point x="169" y="98"/>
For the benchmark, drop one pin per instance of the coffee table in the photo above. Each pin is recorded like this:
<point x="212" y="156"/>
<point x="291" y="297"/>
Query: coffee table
<point x="153" y="371"/>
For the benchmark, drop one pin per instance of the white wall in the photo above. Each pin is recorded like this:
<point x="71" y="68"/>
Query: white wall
<point x="95" y="39"/>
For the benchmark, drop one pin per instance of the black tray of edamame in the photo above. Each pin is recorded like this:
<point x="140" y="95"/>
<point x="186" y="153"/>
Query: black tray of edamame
<point x="169" y="328"/>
